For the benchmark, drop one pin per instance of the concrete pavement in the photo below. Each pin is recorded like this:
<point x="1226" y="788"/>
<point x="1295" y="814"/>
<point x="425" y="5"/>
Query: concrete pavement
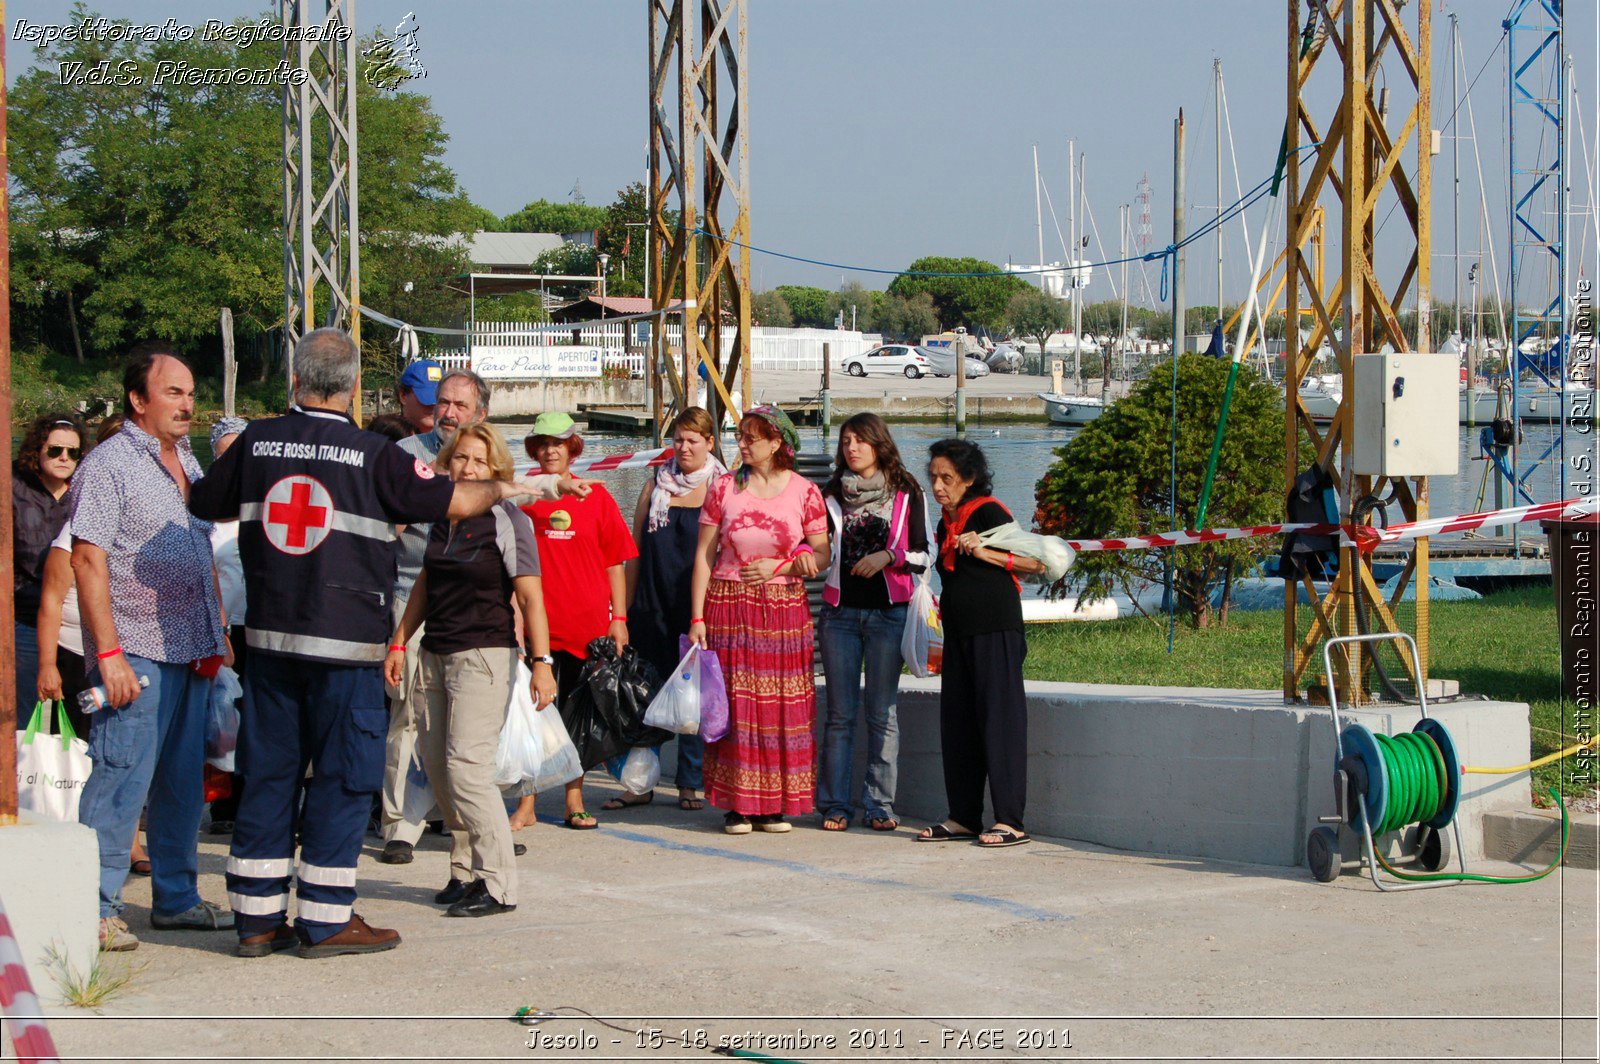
<point x="892" y="948"/>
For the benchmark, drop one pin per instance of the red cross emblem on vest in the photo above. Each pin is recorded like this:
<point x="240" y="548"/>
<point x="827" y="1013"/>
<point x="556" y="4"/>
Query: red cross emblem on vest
<point x="297" y="514"/>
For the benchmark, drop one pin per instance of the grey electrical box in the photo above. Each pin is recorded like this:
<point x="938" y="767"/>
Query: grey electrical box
<point x="1407" y="415"/>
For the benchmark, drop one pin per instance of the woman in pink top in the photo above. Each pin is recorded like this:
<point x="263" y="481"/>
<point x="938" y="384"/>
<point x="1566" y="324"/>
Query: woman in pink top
<point x="763" y="531"/>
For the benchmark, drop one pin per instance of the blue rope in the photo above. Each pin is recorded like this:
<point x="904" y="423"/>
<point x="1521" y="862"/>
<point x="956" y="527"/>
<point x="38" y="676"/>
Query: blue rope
<point x="1165" y="255"/>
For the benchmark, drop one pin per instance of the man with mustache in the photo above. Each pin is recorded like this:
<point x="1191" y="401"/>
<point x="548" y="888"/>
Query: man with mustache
<point x="154" y="632"/>
<point x="462" y="398"/>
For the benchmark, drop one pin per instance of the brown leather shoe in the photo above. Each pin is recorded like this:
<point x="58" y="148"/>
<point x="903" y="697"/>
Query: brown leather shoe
<point x="268" y="942"/>
<point x="354" y="937"/>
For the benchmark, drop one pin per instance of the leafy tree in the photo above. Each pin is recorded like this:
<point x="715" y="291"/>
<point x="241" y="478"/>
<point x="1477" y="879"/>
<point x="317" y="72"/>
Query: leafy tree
<point x="812" y="307"/>
<point x="853" y="296"/>
<point x="574" y="260"/>
<point x="906" y="319"/>
<point x="771" y="309"/>
<point x="525" y="307"/>
<point x="970" y="301"/>
<point x="1112" y="480"/>
<point x="542" y="216"/>
<point x="1037" y="315"/>
<point x="141" y="208"/>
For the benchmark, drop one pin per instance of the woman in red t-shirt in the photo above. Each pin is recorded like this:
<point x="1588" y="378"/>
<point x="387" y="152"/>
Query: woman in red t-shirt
<point x="583" y="544"/>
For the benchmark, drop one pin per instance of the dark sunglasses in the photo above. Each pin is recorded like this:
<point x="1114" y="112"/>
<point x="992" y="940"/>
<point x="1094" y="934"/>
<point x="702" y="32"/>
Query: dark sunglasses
<point x="56" y="451"/>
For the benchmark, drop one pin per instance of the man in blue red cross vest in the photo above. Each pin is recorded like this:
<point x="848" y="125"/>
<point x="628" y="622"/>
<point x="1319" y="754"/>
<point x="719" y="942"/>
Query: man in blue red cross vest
<point x="317" y="501"/>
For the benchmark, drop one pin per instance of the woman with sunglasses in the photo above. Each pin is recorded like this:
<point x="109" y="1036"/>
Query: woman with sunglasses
<point x="39" y="480"/>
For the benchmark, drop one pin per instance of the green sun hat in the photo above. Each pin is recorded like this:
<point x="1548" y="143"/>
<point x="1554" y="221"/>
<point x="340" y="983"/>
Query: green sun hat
<point x="555" y="424"/>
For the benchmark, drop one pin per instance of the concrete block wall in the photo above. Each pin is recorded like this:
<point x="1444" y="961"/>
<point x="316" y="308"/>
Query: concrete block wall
<point x="50" y="884"/>
<point x="1235" y="775"/>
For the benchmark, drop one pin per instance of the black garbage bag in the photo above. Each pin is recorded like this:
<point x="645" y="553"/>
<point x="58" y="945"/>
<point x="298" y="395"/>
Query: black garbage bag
<point x="1310" y="501"/>
<point x="604" y="714"/>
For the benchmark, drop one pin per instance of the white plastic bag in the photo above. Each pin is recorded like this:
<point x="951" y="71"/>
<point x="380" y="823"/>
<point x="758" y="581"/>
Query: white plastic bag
<point x="222" y="723"/>
<point x="1053" y="551"/>
<point x="51" y="769"/>
<point x="641" y="771"/>
<point x="922" y="644"/>
<point x="535" y="752"/>
<point x="676" y="707"/>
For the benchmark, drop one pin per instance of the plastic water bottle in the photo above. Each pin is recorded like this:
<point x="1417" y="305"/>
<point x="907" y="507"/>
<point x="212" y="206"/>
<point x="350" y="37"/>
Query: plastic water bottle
<point x="95" y="698"/>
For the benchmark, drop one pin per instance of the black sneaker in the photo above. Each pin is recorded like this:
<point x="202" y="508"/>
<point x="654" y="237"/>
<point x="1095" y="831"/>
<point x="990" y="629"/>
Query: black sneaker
<point x="479" y="902"/>
<point x="396" y="852"/>
<point x="455" y="890"/>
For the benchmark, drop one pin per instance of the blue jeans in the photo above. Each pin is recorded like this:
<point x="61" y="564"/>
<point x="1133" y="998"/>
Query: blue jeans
<point x="852" y="638"/>
<point x="150" y="752"/>
<point x="691" y="749"/>
<point x="27" y="644"/>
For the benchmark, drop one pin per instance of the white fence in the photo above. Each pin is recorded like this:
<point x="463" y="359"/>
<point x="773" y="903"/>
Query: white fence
<point x="516" y="350"/>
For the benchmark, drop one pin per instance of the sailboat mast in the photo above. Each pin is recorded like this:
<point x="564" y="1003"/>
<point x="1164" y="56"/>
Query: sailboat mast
<point x="1216" y="93"/>
<point x="1038" y="217"/>
<point x="1124" y="213"/>
<point x="1072" y="254"/>
<point x="1455" y="177"/>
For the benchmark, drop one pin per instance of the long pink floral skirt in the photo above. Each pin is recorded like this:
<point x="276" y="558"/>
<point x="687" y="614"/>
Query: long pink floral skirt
<point x="767" y="763"/>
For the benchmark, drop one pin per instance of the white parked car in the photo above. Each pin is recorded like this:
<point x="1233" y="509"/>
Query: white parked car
<point x="898" y="359"/>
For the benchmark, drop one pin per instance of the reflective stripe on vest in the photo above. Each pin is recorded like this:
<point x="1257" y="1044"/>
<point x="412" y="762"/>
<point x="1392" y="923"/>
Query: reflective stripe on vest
<point x="342" y="522"/>
<point x="313" y="646"/>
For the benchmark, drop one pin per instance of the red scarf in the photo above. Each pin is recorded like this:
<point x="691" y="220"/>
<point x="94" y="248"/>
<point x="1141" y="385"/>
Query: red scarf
<point x="954" y="526"/>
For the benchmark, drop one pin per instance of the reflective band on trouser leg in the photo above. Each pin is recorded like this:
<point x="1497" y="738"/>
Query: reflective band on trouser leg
<point x="316" y="912"/>
<point x="258" y="892"/>
<point x="327" y="877"/>
<point x="261" y="868"/>
<point x="325" y="896"/>
<point x="251" y="905"/>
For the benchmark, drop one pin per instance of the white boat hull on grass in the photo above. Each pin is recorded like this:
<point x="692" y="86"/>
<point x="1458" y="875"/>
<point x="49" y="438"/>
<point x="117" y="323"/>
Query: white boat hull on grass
<point x="1071" y="608"/>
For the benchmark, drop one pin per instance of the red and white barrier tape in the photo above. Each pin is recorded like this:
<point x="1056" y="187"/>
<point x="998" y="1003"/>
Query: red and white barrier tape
<point x="1364" y="536"/>
<point x="636" y="460"/>
<point x="19" y="1003"/>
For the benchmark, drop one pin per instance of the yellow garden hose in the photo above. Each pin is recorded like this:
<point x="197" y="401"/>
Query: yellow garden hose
<point x="1568" y="752"/>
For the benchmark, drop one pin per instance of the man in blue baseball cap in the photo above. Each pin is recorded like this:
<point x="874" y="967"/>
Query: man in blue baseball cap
<point x="419" y="390"/>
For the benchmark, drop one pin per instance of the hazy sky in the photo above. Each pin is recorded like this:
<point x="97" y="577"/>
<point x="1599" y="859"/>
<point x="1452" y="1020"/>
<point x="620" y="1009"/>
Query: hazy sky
<point x="882" y="130"/>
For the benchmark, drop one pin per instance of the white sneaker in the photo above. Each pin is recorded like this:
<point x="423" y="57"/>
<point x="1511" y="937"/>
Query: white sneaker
<point x="115" y="936"/>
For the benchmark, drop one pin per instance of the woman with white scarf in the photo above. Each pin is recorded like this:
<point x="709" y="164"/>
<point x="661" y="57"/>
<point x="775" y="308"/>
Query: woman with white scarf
<point x="666" y="525"/>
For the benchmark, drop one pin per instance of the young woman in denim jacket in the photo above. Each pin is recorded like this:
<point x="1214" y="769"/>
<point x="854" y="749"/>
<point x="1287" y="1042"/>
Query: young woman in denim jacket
<point x="878" y="516"/>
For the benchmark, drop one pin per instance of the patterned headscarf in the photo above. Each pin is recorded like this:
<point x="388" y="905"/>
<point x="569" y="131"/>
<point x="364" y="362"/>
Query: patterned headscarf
<point x="780" y="421"/>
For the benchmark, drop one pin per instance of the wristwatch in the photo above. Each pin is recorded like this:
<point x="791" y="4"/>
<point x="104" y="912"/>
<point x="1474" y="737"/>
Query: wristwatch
<point x="546" y="658"/>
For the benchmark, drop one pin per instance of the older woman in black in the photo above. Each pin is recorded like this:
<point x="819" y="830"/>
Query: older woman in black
<point x="983" y="709"/>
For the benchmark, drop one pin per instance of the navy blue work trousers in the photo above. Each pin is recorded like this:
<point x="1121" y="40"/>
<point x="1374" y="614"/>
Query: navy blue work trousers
<point x="299" y="714"/>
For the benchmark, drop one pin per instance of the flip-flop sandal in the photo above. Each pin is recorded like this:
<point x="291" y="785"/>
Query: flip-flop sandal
<point x="835" y="823"/>
<point x="141" y="867"/>
<point x="883" y="823"/>
<point x="623" y="803"/>
<point x="1007" y="838"/>
<point x="572" y="821"/>
<point x="940" y="833"/>
<point x="689" y="805"/>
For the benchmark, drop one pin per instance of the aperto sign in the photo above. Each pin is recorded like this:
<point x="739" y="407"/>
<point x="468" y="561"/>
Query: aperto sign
<point x="535" y="363"/>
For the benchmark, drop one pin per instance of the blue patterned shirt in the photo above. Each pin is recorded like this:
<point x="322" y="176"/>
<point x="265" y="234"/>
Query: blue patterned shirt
<point x="163" y="596"/>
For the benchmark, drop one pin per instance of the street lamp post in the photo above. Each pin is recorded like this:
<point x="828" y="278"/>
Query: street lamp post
<point x="604" y="261"/>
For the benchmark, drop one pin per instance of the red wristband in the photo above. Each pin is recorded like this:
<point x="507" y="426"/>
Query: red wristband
<point x="1010" y="558"/>
<point x="696" y="620"/>
<point x="401" y="647"/>
<point x="113" y="652"/>
<point x="623" y="619"/>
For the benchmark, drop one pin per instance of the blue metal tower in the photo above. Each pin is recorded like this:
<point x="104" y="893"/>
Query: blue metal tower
<point x="1537" y="194"/>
